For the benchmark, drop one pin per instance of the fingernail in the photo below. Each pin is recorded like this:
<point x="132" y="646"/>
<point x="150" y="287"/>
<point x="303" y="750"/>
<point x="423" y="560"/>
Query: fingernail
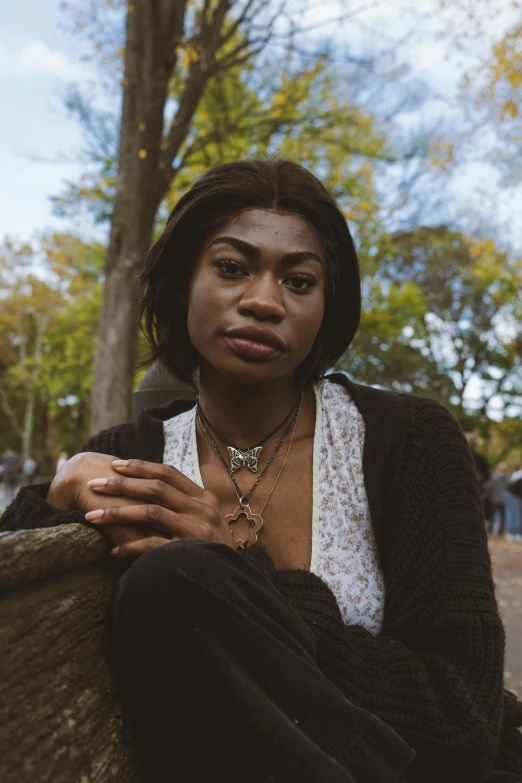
<point x="94" y="514"/>
<point x="120" y="463"/>
<point x="97" y="482"/>
<point x="115" y="551"/>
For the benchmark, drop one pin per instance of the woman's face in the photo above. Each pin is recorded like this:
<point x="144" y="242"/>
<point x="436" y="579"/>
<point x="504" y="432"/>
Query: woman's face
<point x="256" y="296"/>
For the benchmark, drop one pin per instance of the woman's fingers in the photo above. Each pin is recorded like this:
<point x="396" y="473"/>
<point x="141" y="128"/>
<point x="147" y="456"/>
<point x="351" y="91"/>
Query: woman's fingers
<point x="150" y="490"/>
<point x="132" y="549"/>
<point x="170" y="503"/>
<point x="150" y="515"/>
<point x="120" y="534"/>
<point x="152" y="470"/>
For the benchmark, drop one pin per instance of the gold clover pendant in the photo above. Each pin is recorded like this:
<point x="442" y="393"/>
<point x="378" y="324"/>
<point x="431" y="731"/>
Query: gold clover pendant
<point x="254" y="522"/>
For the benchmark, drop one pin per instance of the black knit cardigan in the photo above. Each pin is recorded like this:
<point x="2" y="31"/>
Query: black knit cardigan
<point x="435" y="670"/>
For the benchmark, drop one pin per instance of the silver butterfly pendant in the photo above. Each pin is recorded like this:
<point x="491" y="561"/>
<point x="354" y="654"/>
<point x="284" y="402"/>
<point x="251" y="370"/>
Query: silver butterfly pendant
<point x="244" y="459"/>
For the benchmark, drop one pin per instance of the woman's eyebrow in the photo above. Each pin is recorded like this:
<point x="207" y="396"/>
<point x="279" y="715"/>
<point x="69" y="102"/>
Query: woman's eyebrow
<point x="289" y="259"/>
<point x="251" y="251"/>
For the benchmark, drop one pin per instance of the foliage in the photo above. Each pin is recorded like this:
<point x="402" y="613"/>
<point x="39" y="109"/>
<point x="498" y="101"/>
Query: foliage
<point x="444" y="315"/>
<point x="495" y="86"/>
<point x="50" y="309"/>
<point x="297" y="111"/>
<point x="502" y="441"/>
<point x="491" y="85"/>
<point x="442" y="311"/>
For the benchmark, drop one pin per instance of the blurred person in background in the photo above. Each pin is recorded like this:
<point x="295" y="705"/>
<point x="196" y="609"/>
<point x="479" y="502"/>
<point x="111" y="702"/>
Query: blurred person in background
<point x="482" y="471"/>
<point x="29" y="469"/>
<point x="333" y="617"/>
<point x="513" y="501"/>
<point x="11" y="471"/>
<point x="496" y="489"/>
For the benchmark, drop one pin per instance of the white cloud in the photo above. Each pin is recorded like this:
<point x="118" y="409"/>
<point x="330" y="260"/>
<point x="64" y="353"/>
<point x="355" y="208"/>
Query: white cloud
<point x="36" y="59"/>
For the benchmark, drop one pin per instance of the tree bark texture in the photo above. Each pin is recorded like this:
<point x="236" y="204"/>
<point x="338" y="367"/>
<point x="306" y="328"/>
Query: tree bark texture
<point x="147" y="163"/>
<point x="30" y="395"/>
<point x="60" y="718"/>
<point x="153" y="28"/>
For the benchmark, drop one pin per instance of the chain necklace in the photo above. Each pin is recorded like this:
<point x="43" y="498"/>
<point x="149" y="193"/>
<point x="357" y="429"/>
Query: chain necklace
<point x="247" y="457"/>
<point x="244" y="498"/>
<point x="255" y="520"/>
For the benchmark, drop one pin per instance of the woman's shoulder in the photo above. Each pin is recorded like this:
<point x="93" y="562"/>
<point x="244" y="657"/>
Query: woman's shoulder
<point x="390" y="409"/>
<point x="140" y="439"/>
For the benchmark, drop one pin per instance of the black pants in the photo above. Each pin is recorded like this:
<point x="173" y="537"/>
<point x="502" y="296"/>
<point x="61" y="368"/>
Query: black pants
<point x="219" y="680"/>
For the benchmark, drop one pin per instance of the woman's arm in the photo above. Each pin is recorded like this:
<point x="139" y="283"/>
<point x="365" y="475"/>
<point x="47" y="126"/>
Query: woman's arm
<point x="30" y="510"/>
<point x="435" y="672"/>
<point x="59" y="502"/>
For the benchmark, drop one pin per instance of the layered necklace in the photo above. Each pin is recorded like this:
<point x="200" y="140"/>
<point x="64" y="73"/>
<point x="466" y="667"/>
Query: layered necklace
<point x="254" y="521"/>
<point x="249" y="456"/>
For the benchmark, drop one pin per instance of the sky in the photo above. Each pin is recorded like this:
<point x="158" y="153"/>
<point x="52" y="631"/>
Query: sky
<point x="40" y="145"/>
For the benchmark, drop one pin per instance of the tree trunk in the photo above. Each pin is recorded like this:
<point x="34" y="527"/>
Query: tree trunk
<point x="141" y="183"/>
<point x="59" y="704"/>
<point x="146" y="166"/>
<point x="27" y="434"/>
<point x="45" y="463"/>
<point x="116" y="344"/>
<point x="30" y="396"/>
<point x="79" y="437"/>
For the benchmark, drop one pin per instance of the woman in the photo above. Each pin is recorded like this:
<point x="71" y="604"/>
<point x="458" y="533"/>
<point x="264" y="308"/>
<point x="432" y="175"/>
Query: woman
<point x="311" y="597"/>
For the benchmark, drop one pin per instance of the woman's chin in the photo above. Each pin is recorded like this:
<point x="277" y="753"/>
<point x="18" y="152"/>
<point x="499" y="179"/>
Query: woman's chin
<point x="248" y="373"/>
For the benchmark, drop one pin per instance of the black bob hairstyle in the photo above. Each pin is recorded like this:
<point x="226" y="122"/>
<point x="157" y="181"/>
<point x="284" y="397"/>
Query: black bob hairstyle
<point x="213" y="201"/>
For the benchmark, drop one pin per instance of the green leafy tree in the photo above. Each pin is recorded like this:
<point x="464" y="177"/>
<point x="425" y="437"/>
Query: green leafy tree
<point x="28" y="307"/>
<point x="465" y="348"/>
<point x="48" y="319"/>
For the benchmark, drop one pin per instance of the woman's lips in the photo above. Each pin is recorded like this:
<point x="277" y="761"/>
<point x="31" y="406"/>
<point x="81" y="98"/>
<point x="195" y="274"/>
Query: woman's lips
<point x="252" y="349"/>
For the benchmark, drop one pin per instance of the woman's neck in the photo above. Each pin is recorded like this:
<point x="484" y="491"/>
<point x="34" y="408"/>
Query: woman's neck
<point x="245" y="414"/>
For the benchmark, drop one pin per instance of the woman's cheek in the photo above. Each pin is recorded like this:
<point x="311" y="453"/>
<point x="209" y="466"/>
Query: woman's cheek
<point x="311" y="323"/>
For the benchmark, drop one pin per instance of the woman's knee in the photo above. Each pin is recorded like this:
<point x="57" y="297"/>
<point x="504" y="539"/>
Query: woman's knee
<point x="157" y="577"/>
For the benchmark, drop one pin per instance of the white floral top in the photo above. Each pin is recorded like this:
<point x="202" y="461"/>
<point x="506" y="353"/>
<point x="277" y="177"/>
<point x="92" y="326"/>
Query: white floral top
<point x="344" y="551"/>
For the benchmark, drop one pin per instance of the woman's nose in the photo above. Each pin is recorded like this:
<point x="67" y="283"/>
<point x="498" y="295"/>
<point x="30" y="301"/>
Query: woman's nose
<point x="263" y="299"/>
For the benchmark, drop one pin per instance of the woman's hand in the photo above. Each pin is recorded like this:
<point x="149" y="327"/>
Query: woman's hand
<point x="170" y="503"/>
<point x="70" y="491"/>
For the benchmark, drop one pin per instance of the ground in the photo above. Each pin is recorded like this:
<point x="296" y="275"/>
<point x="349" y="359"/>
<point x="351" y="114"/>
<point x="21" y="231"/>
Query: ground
<point x="507" y="572"/>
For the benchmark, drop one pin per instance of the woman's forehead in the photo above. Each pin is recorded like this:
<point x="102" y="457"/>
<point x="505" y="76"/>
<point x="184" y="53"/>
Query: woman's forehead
<point x="271" y="229"/>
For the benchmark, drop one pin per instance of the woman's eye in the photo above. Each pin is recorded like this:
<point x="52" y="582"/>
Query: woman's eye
<point x="230" y="268"/>
<point x="301" y="283"/>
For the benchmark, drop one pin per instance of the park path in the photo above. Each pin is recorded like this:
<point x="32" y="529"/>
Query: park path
<point x="507" y="572"/>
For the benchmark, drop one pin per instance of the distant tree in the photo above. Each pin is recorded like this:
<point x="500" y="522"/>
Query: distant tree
<point x="49" y="310"/>
<point x="491" y="87"/>
<point x="445" y="319"/>
<point x="495" y="87"/>
<point x="28" y="306"/>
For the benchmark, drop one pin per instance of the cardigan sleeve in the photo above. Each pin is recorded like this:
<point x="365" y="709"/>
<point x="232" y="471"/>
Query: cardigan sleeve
<point x="435" y="671"/>
<point x="30" y="510"/>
